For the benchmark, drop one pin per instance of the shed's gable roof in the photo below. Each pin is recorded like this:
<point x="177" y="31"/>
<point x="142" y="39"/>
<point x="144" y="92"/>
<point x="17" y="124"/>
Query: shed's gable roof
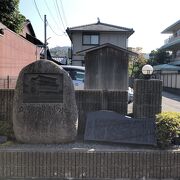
<point x="108" y="45"/>
<point x="100" y="27"/>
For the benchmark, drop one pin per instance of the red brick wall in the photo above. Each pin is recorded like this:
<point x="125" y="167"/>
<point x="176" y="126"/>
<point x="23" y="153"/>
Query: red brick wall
<point x="15" y="53"/>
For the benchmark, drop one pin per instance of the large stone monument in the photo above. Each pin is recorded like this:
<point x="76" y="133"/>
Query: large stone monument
<point x="44" y="109"/>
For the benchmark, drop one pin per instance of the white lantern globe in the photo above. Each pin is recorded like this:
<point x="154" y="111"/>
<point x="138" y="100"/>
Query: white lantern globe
<point x="147" y="69"/>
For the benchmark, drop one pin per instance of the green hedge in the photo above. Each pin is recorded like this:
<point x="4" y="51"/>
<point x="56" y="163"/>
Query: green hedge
<point x="167" y="128"/>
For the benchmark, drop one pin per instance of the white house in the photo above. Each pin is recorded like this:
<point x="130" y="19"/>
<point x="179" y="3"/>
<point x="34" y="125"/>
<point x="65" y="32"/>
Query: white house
<point x="173" y="42"/>
<point x="91" y="35"/>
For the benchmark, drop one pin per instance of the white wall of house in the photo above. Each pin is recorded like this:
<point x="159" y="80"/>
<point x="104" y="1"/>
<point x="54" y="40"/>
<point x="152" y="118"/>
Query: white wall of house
<point x="118" y="39"/>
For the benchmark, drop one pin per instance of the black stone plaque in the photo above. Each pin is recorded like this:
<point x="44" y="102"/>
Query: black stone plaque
<point x="43" y="88"/>
<point x="108" y="126"/>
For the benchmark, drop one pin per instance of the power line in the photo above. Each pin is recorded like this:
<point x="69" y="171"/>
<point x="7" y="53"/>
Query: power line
<point x="46" y="20"/>
<point x="65" y="19"/>
<point x="57" y="6"/>
<point x="52" y="15"/>
<point x="53" y="30"/>
<point x="38" y="11"/>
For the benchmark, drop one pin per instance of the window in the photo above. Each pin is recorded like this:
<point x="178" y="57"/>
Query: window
<point x="90" y="39"/>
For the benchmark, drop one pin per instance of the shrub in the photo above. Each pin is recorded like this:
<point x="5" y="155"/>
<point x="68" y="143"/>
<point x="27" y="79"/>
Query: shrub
<point x="167" y="128"/>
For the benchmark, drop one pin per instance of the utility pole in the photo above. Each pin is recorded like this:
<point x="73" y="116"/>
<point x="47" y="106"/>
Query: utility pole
<point x="45" y="39"/>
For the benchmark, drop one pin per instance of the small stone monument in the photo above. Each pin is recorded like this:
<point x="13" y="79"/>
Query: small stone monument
<point x="109" y="126"/>
<point x="44" y="109"/>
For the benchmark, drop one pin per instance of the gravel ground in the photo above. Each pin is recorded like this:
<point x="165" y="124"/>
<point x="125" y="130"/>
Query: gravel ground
<point x="79" y="145"/>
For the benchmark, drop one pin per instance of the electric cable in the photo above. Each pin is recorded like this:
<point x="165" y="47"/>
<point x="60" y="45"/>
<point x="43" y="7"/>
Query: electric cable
<point x="53" y="30"/>
<point x="57" y="7"/>
<point x="38" y="11"/>
<point x="46" y="20"/>
<point x="65" y="19"/>
<point x="52" y="15"/>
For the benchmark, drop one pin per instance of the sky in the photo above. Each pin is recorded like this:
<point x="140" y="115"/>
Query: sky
<point x="148" y="18"/>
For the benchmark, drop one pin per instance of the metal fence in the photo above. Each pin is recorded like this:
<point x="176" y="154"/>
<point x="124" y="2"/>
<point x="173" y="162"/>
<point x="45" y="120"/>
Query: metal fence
<point x="8" y="82"/>
<point x="171" y="80"/>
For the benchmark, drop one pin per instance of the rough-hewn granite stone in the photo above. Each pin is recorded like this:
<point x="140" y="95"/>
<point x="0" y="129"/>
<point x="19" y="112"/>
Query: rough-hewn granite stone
<point x="44" y="109"/>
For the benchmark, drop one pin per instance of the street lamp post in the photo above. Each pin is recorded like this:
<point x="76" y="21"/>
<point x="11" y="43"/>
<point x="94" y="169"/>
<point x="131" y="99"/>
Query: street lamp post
<point x="147" y="95"/>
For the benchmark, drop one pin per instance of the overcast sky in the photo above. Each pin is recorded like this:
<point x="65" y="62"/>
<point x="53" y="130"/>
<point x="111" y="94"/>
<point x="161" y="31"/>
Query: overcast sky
<point x="148" y="18"/>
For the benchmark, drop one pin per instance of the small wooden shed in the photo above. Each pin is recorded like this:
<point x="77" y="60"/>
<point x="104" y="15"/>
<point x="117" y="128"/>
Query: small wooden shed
<point x="106" y="67"/>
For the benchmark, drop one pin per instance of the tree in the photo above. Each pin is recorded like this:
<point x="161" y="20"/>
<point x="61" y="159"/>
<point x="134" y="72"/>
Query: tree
<point x="59" y="51"/>
<point x="10" y="15"/>
<point x="158" y="56"/>
<point x="136" y="63"/>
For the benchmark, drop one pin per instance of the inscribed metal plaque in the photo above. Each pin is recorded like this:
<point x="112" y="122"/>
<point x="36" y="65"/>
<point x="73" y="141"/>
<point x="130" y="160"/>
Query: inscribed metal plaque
<point x="107" y="126"/>
<point x="43" y="88"/>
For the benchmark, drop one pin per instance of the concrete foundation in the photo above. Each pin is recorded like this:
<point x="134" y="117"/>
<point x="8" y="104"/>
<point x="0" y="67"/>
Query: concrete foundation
<point x="82" y="164"/>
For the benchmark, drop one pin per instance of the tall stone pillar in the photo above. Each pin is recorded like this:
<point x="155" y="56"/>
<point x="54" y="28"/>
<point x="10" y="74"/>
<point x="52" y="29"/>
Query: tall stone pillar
<point x="147" y="98"/>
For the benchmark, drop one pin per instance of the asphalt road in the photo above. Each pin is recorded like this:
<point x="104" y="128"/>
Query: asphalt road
<point x="170" y="102"/>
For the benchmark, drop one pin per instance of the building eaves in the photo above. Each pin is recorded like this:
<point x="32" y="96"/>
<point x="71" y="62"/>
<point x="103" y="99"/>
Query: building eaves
<point x="172" y="28"/>
<point x="34" y="40"/>
<point x="29" y="25"/>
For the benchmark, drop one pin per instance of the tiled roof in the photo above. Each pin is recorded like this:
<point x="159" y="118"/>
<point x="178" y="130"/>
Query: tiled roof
<point x="100" y="27"/>
<point x="166" y="67"/>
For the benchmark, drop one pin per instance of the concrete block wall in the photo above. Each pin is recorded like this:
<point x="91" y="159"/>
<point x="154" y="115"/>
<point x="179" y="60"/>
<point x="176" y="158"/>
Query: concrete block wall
<point x="147" y="98"/>
<point x="87" y="101"/>
<point x="6" y="103"/>
<point x="89" y="165"/>
<point x="94" y="100"/>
